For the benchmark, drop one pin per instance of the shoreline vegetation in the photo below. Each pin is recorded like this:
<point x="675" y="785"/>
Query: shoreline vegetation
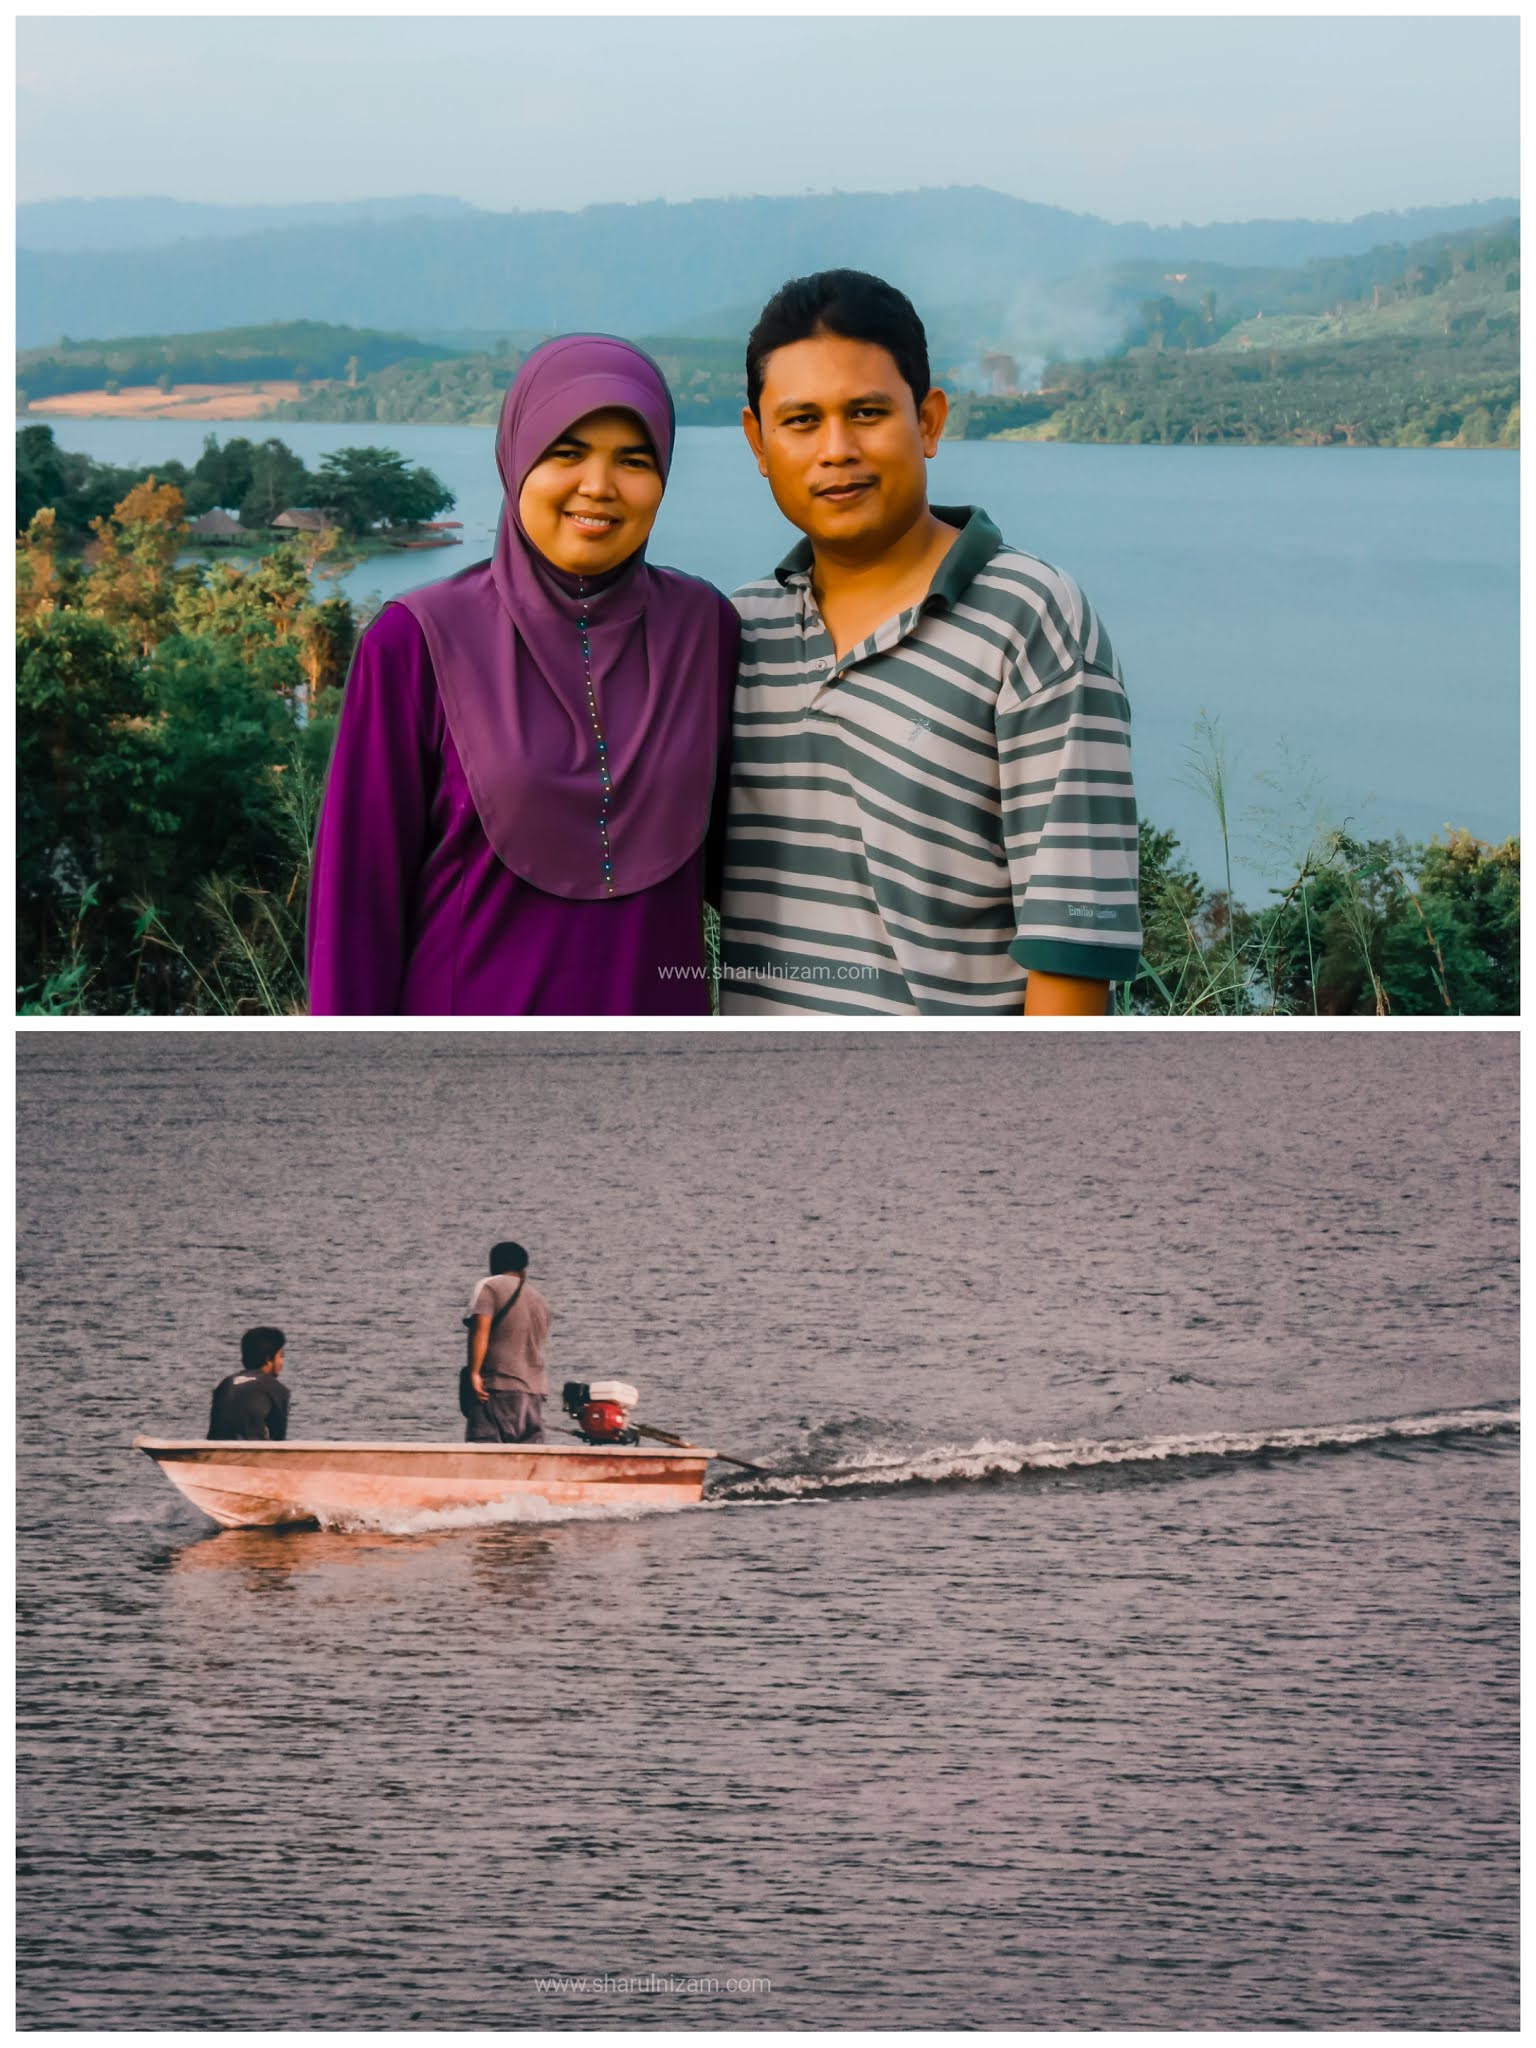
<point x="175" y="720"/>
<point x="1398" y="347"/>
<point x="241" y="498"/>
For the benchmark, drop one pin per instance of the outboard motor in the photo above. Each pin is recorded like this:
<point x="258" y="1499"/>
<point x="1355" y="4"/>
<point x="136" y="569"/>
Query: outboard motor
<point x="601" y="1410"/>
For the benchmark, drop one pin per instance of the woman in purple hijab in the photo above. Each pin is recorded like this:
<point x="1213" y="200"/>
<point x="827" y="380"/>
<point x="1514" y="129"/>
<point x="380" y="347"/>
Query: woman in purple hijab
<point x="531" y="764"/>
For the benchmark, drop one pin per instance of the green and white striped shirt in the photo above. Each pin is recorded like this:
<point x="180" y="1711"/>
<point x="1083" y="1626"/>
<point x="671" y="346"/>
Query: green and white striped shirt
<point x="915" y="826"/>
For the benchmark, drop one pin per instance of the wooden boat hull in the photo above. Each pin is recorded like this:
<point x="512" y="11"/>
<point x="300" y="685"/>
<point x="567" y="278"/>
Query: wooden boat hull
<point x="265" y="1485"/>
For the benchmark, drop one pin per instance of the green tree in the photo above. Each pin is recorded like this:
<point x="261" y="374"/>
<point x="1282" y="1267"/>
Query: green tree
<point x="254" y="606"/>
<point x="229" y="741"/>
<point x="165" y="786"/>
<point x="270" y="604"/>
<point x="41" y="475"/>
<point x="366" y="487"/>
<point x="1466" y="937"/>
<point x="278" y="481"/>
<point x="1388" y="928"/>
<point x="222" y="475"/>
<point x="87" y="770"/>
<point x="327" y="634"/>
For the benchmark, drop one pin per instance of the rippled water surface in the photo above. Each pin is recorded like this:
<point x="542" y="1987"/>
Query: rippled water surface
<point x="1125" y="1639"/>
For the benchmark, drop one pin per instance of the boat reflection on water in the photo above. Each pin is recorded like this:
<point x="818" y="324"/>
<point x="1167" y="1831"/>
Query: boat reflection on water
<point x="298" y="1549"/>
<point x="511" y="1564"/>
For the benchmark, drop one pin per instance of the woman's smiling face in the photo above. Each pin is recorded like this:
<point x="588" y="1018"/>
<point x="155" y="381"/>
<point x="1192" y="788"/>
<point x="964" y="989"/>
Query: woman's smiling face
<point x="591" y="499"/>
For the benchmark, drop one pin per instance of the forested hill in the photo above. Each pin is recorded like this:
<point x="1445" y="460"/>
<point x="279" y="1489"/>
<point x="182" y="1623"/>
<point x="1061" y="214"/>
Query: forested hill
<point x="299" y="351"/>
<point x="1416" y="347"/>
<point x="1413" y="348"/>
<point x="644" y="269"/>
<point x="99" y="224"/>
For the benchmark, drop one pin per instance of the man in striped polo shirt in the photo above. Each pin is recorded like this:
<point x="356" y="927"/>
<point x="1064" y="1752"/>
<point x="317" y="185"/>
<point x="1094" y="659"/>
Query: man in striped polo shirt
<point x="931" y="807"/>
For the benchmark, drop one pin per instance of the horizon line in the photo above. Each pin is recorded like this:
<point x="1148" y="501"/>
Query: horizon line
<point x="1512" y="200"/>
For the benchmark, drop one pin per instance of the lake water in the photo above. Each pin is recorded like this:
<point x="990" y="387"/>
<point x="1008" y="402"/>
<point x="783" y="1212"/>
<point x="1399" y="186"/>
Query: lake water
<point x="1127" y="1638"/>
<point x="1351" y="616"/>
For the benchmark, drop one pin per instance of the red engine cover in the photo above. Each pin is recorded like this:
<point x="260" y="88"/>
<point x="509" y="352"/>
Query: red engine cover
<point x="603" y="1421"/>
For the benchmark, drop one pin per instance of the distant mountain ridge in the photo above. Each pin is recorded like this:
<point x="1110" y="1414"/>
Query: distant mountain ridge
<point x="98" y="225"/>
<point x="651" y="268"/>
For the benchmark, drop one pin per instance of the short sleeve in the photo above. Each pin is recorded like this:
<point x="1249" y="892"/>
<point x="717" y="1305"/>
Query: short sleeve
<point x="484" y="1303"/>
<point x="1068" y="801"/>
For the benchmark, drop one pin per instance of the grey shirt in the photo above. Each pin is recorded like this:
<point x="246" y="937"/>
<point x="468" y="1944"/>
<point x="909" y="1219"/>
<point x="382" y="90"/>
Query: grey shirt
<point x="918" y="822"/>
<point x="514" y="1359"/>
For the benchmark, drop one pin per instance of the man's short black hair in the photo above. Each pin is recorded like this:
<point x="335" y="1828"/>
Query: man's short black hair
<point x="508" y="1258"/>
<point x="257" y="1346"/>
<point x="846" y="302"/>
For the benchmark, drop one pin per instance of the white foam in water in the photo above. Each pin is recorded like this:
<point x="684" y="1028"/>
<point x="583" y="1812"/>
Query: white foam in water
<point x="519" y="1508"/>
<point x="988" y="1458"/>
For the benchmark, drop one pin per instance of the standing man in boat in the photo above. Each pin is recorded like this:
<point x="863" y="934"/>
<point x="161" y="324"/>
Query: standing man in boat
<point x="506" y="1379"/>
<point x="253" y="1402"/>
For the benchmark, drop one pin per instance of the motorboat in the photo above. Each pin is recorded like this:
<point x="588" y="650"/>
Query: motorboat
<point x="614" y="1461"/>
<point x="261" y="1484"/>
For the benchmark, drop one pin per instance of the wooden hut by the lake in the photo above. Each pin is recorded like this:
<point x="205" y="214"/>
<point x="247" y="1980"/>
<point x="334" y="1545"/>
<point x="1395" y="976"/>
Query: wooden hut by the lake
<point x="217" y="525"/>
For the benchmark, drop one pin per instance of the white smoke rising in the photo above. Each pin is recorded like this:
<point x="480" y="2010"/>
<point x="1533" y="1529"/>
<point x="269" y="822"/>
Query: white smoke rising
<point x="1075" y="320"/>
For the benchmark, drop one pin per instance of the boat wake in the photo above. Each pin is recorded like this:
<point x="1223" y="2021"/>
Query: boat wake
<point x="989" y="1460"/>
<point x="955" y="1465"/>
<point x="516" y="1509"/>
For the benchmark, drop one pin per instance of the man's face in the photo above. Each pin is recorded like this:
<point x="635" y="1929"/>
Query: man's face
<point x="843" y="442"/>
<point x="275" y="1362"/>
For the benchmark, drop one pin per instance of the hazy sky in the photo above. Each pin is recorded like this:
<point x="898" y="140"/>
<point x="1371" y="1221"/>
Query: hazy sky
<point x="1134" y="118"/>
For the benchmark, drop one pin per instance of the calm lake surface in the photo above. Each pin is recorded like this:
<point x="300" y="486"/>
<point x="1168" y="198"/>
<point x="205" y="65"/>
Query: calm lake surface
<point x="1127" y="1640"/>
<point x="1351" y="616"/>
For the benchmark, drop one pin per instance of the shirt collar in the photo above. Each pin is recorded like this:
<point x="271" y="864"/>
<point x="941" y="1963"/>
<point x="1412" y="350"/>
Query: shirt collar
<point x="979" y="541"/>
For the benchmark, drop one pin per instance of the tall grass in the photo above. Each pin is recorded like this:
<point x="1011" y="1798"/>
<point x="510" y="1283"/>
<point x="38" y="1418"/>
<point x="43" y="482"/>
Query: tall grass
<point x="250" y="948"/>
<point x="1205" y="955"/>
<point x="1210" y="772"/>
<point x="62" y="992"/>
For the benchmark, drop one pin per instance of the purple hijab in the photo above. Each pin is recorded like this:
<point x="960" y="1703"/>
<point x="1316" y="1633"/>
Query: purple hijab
<point x="506" y="644"/>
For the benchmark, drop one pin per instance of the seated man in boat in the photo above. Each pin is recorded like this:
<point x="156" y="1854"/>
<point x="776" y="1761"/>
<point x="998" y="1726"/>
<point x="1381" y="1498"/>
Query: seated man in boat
<point x="253" y="1402"/>
<point x="508" y="1322"/>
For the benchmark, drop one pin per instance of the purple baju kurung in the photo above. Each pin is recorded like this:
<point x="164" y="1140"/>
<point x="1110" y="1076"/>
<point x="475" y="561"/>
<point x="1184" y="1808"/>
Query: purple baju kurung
<point x="530" y="774"/>
<point x="413" y="914"/>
